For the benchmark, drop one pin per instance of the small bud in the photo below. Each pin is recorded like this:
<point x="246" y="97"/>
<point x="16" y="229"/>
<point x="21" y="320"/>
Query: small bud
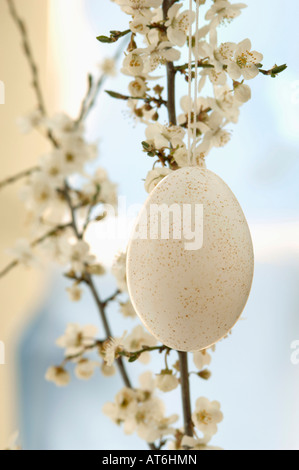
<point x="158" y="90"/>
<point x="205" y="374"/>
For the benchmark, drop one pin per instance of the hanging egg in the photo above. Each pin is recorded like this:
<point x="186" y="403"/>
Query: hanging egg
<point x="190" y="260"/>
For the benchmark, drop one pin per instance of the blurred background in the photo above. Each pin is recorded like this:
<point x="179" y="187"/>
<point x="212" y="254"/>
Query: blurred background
<point x="253" y="376"/>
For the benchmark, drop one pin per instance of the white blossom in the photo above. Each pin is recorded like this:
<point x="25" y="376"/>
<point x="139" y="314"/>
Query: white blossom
<point x="75" y="293"/>
<point x="78" y="255"/>
<point x="202" y="105"/>
<point x="160" y="54"/>
<point x="140" y="24"/>
<point x="154" y="177"/>
<point x="127" y="309"/>
<point x="216" y="136"/>
<point x="100" y="189"/>
<point x="133" y="64"/>
<point x="23" y="253"/>
<point x="242" y="92"/>
<point x="108" y="67"/>
<point x="136" y="7"/>
<point x="38" y="193"/>
<point x="180" y="156"/>
<point x="137" y="339"/>
<point x="59" y="376"/>
<point x="85" y="369"/>
<point x="226" y="104"/>
<point x="166" y="381"/>
<point x="77" y="338"/>
<point x="119" y="271"/>
<point x="207" y="415"/>
<point x="178" y="24"/>
<point x="108" y="371"/>
<point x="244" y="62"/>
<point x="160" y="136"/>
<point x="112" y="348"/>
<point x="202" y="359"/>
<point x="138" y="88"/>
<point x="27" y="123"/>
<point x="222" y="11"/>
<point x="53" y="166"/>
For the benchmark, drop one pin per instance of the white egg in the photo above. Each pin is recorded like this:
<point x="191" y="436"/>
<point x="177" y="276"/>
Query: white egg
<point x="190" y="291"/>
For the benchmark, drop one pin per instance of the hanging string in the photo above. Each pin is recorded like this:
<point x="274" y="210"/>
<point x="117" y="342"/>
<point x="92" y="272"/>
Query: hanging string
<point x="190" y="83"/>
<point x="192" y="131"/>
<point x="196" y="83"/>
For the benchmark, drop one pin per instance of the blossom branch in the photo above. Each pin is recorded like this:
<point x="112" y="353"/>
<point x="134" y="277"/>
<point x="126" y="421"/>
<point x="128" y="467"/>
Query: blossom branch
<point x="32" y="64"/>
<point x="134" y="356"/>
<point x="28" y="53"/>
<point x="18" y="176"/>
<point x="53" y="232"/>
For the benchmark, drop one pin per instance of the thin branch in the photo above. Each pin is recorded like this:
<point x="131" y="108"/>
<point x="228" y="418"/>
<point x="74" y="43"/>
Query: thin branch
<point x="93" y="91"/>
<point x="32" y="64"/>
<point x="134" y="356"/>
<point x="171" y="105"/>
<point x="111" y="298"/>
<point x="185" y="385"/>
<point x="28" y="53"/>
<point x="33" y="244"/>
<point x="18" y="176"/>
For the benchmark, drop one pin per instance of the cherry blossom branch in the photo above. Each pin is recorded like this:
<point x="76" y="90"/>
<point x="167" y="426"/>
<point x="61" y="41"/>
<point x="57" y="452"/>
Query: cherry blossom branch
<point x="134" y="356"/>
<point x="273" y="72"/>
<point x="38" y="241"/>
<point x="18" y="176"/>
<point x="32" y="64"/>
<point x="28" y="53"/>
<point x="93" y="92"/>
<point x="100" y="304"/>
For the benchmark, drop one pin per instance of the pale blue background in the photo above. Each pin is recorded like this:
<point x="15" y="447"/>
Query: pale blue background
<point x="252" y="374"/>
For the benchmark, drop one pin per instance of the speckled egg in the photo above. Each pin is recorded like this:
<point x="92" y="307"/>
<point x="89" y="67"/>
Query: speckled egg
<point x="190" y="292"/>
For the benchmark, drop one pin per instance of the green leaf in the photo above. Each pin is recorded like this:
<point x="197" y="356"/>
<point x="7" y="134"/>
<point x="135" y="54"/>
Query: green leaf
<point x="116" y="95"/>
<point x="105" y="39"/>
<point x="133" y="359"/>
<point x="279" y="68"/>
<point x="114" y="36"/>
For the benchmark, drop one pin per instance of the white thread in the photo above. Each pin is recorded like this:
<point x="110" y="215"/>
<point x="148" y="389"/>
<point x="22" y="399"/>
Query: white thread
<point x="196" y="83"/>
<point x="190" y="83"/>
<point x="192" y="133"/>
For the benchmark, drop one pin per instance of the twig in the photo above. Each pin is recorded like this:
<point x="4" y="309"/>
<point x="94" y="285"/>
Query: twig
<point x="32" y="64"/>
<point x="111" y="298"/>
<point x="33" y="244"/>
<point x="28" y="53"/>
<point x="133" y="356"/>
<point x="18" y="176"/>
<point x="93" y="91"/>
